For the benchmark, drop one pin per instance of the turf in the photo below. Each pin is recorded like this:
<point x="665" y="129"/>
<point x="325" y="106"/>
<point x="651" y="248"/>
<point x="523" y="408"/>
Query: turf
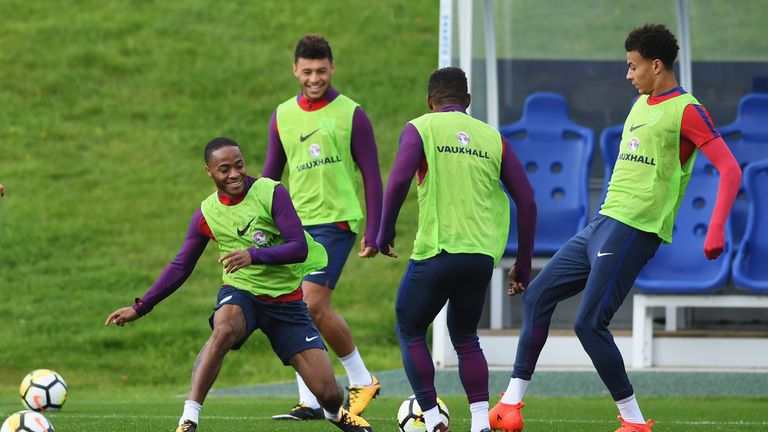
<point x="155" y="410"/>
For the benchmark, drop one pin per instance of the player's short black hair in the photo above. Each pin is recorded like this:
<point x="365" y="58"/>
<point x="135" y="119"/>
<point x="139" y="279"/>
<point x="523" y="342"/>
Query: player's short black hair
<point x="216" y="144"/>
<point x="313" y="47"/>
<point x="653" y="41"/>
<point x="448" y="85"/>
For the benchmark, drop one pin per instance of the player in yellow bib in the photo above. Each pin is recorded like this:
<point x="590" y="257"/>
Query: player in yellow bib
<point x="662" y="134"/>
<point x="324" y="138"/>
<point x="264" y="254"/>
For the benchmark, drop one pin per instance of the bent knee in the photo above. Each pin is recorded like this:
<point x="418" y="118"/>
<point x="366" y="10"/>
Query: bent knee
<point x="225" y="336"/>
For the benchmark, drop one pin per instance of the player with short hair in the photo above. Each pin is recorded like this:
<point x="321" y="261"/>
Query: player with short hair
<point x="264" y="253"/>
<point x="661" y="136"/>
<point x="325" y="137"/>
<point x="462" y="232"/>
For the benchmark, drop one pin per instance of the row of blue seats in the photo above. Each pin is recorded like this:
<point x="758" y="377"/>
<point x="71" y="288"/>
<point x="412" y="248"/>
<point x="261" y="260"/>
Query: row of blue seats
<point x="556" y="154"/>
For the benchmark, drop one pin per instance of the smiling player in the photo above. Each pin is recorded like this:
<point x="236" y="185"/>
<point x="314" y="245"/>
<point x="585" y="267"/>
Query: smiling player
<point x="662" y="134"/>
<point x="324" y="137"/>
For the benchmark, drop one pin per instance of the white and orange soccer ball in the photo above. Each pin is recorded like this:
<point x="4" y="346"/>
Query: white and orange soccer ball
<point x="27" y="421"/>
<point x="411" y="419"/>
<point x="43" y="390"/>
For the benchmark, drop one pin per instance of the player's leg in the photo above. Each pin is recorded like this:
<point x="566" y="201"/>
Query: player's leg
<point x="618" y="252"/>
<point x="297" y="343"/>
<point x="318" y="289"/>
<point x="420" y="298"/>
<point x="230" y="329"/>
<point x="564" y="276"/>
<point x="465" y="306"/>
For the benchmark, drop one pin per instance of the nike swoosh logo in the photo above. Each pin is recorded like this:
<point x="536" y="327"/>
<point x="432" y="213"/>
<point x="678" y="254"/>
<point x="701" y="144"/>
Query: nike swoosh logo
<point x="303" y="138"/>
<point x="225" y="299"/>
<point x="602" y="254"/>
<point x="633" y="127"/>
<point x="310" y="339"/>
<point x="317" y="273"/>
<point x="240" y="232"/>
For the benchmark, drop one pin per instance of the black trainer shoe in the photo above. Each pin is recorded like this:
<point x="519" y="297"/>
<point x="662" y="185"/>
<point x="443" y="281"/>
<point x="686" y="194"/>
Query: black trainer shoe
<point x="187" y="426"/>
<point x="351" y="423"/>
<point x="301" y="412"/>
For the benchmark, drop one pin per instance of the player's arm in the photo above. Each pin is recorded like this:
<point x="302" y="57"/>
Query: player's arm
<point x="408" y="158"/>
<point x="293" y="250"/>
<point x="698" y="128"/>
<point x="365" y="155"/>
<point x="730" y="178"/>
<point x="172" y="277"/>
<point x="516" y="181"/>
<point x="276" y="158"/>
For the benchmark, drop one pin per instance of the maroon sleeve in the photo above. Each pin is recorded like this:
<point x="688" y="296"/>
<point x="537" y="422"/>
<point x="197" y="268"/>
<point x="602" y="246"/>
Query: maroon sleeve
<point x="276" y="158"/>
<point x="178" y="270"/>
<point x="295" y="248"/>
<point x="409" y="157"/>
<point x="730" y="178"/>
<point x="366" y="157"/>
<point x="516" y="181"/>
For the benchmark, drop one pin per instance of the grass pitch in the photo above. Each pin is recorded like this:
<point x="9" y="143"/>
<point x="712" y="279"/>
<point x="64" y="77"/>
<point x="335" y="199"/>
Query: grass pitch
<point x="150" y="409"/>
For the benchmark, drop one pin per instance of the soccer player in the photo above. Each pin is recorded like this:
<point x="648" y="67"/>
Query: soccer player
<point x="462" y="232"/>
<point x="325" y="137"/>
<point x="264" y="253"/>
<point x="661" y="136"/>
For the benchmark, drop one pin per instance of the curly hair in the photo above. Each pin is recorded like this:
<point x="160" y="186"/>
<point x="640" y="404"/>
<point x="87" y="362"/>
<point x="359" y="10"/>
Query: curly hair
<point x="216" y="144"/>
<point x="653" y="41"/>
<point x="448" y="84"/>
<point x="313" y="47"/>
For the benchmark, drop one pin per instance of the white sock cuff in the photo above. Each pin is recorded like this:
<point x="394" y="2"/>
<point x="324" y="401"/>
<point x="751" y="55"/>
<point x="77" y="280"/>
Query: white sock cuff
<point x="625" y="400"/>
<point x="331" y="416"/>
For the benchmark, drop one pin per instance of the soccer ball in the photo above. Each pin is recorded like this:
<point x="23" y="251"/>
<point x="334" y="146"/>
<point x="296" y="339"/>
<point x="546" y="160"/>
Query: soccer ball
<point x="43" y="390"/>
<point x="410" y="418"/>
<point x="27" y="421"/>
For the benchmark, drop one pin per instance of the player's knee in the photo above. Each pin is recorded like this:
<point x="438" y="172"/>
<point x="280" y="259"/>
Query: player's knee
<point x="584" y="328"/>
<point x="224" y="336"/>
<point x="318" y="311"/>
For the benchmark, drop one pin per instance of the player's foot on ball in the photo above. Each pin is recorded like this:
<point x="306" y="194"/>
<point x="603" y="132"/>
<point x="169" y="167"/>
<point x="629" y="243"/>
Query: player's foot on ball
<point x="506" y="417"/>
<point x="301" y="412"/>
<point x="187" y="426"/>
<point x="359" y="396"/>
<point x="349" y="422"/>
<point x="634" y="427"/>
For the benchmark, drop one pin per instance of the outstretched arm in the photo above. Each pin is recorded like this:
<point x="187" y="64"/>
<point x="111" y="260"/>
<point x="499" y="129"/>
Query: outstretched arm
<point x="276" y="158"/>
<point x="409" y="157"/>
<point x="172" y="277"/>
<point x="730" y="178"/>
<point x="365" y="155"/>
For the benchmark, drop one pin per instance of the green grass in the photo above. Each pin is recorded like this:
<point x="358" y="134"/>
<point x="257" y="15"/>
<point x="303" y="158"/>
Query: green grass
<point x="144" y="410"/>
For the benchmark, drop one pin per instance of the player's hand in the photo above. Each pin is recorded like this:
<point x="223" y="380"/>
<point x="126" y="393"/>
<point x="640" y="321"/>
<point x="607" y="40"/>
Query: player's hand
<point x="515" y="286"/>
<point x="388" y="250"/>
<point x="714" y="243"/>
<point x="366" y="251"/>
<point x="235" y="260"/>
<point x="122" y="316"/>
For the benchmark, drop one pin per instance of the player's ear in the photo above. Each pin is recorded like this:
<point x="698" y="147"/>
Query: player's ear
<point x="430" y="104"/>
<point x="208" y="170"/>
<point x="295" y="70"/>
<point x="469" y="100"/>
<point x="657" y="66"/>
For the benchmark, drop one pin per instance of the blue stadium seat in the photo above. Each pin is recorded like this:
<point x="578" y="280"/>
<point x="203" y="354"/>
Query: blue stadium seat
<point x="750" y="268"/>
<point x="681" y="267"/>
<point x="556" y="154"/>
<point x="610" y="139"/>
<point x="747" y="138"/>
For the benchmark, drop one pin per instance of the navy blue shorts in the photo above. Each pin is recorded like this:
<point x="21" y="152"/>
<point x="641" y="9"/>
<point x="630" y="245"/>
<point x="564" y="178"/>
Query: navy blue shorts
<point x="337" y="242"/>
<point x="287" y="325"/>
<point x="459" y="279"/>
